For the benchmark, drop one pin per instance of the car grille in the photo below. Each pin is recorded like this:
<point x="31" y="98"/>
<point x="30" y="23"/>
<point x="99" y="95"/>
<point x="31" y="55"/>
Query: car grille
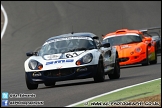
<point x="58" y="72"/>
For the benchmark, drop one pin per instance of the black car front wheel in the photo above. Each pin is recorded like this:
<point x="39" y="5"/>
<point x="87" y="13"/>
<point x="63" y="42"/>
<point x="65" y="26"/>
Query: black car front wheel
<point x="100" y="75"/>
<point x="29" y="85"/>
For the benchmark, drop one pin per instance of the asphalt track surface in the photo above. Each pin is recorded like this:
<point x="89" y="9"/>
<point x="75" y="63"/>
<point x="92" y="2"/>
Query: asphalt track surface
<point x="30" y="23"/>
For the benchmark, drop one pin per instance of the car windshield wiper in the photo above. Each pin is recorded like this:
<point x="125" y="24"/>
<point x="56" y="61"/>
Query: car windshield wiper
<point x="77" y="49"/>
<point x="130" y="42"/>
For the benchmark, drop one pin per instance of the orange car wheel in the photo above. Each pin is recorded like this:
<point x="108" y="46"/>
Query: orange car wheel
<point x="147" y="60"/>
<point x="154" y="61"/>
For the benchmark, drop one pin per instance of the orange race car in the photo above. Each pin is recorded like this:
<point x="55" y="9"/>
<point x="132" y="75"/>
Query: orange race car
<point x="132" y="46"/>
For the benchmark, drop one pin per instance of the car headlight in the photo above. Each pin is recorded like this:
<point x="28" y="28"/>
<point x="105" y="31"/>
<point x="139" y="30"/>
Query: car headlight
<point x="85" y="59"/>
<point x="138" y="49"/>
<point x="35" y="65"/>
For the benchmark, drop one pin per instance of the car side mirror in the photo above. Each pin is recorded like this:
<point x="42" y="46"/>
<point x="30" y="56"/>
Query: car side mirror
<point x="147" y="39"/>
<point x="96" y="37"/>
<point x="106" y="45"/>
<point x="28" y="54"/>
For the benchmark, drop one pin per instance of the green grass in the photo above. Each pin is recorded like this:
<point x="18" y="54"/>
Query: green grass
<point x="140" y="91"/>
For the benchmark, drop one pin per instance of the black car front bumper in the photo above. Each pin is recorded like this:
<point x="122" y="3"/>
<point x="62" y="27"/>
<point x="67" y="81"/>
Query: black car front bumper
<point x="61" y="74"/>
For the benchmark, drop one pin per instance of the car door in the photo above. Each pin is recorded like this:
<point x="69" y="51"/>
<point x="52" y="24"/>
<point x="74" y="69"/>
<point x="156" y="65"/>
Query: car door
<point x="108" y="55"/>
<point x="103" y="52"/>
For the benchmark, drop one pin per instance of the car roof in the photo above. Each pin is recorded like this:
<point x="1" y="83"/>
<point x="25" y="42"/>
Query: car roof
<point x="122" y="31"/>
<point x="84" y="34"/>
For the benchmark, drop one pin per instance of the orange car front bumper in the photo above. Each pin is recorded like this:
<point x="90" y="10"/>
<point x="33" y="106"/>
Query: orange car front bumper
<point x="133" y="59"/>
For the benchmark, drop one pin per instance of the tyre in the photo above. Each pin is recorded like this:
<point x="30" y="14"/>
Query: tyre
<point x="147" y="60"/>
<point x="100" y="75"/>
<point x="29" y="85"/>
<point x="50" y="84"/>
<point x="154" y="61"/>
<point x="158" y="47"/>
<point x="116" y="73"/>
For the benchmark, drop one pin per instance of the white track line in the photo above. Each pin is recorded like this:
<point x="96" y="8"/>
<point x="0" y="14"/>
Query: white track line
<point x="86" y="100"/>
<point x="5" y="21"/>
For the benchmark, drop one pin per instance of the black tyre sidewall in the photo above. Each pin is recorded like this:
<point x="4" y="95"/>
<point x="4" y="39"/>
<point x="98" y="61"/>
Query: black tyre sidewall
<point x="29" y="85"/>
<point x="100" y="75"/>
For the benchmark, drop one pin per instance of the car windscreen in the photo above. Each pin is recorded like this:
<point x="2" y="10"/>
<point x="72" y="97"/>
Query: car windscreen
<point x="122" y="39"/>
<point x="70" y="44"/>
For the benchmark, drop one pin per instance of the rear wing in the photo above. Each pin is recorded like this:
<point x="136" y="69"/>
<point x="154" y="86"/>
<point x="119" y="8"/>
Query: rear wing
<point x="151" y="29"/>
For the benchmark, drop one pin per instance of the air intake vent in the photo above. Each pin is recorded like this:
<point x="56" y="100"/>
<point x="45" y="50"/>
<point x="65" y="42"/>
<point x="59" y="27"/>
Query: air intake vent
<point x="122" y="31"/>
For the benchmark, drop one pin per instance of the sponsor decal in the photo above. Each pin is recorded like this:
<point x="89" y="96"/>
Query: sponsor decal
<point x="125" y="46"/>
<point x="53" y="56"/>
<point x="60" y="61"/>
<point x="63" y="56"/>
<point x="59" y="67"/>
<point x="67" y="38"/>
<point x="150" y="55"/>
<point x="81" y="69"/>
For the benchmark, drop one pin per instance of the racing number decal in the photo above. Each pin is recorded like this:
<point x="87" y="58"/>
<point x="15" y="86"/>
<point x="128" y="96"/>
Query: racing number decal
<point x="71" y="55"/>
<point x="68" y="55"/>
